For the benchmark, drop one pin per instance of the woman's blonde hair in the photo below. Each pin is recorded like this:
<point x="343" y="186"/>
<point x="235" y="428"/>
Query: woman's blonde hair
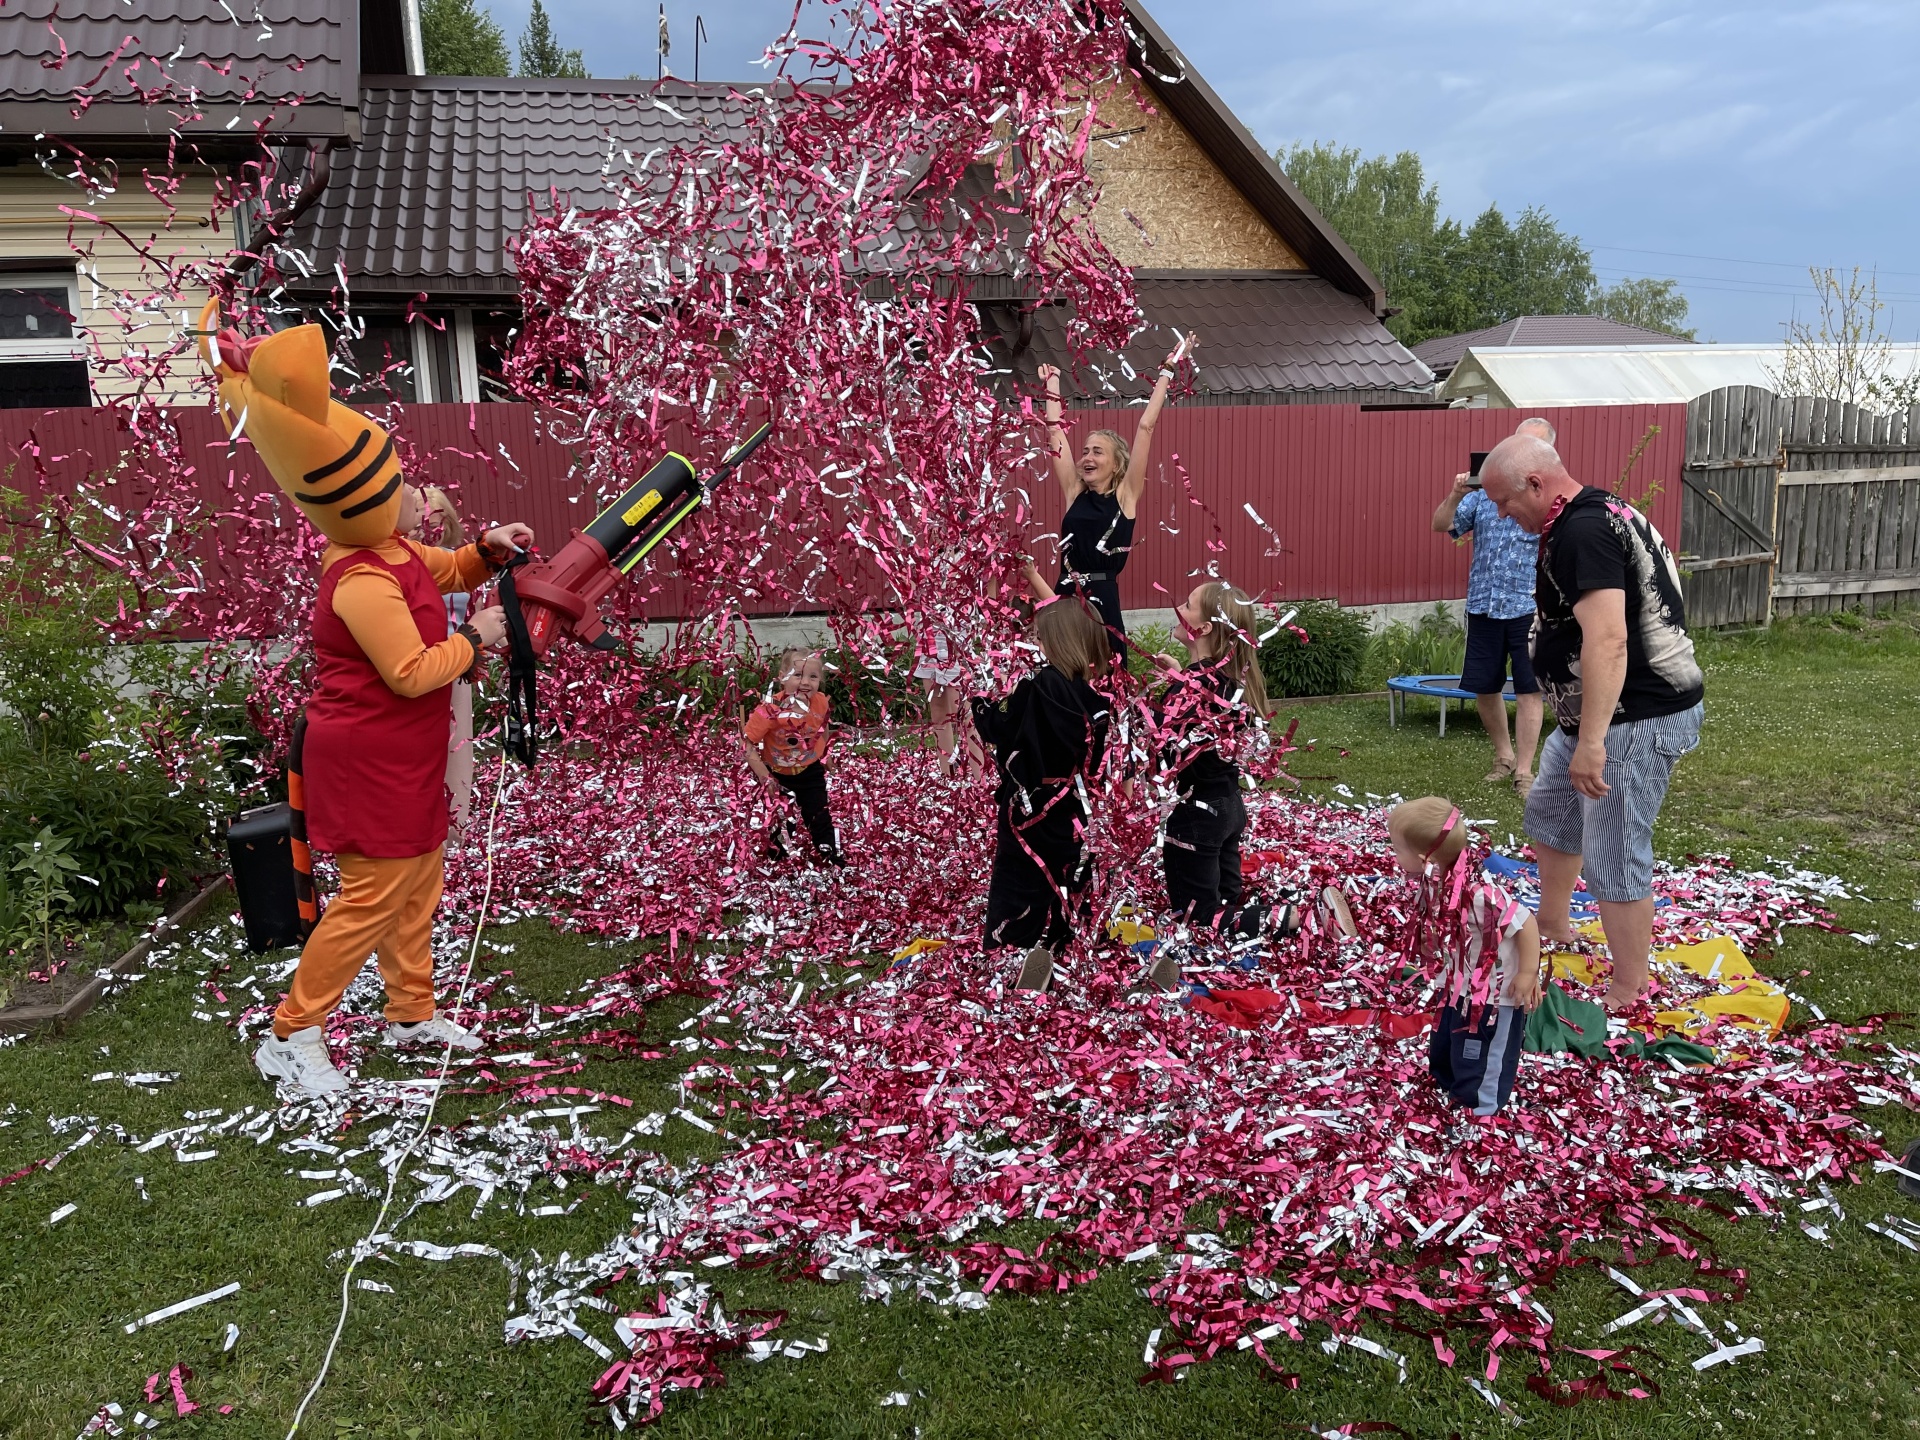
<point x="1235" y="634"/>
<point x="1420" y="823"/>
<point x="1122" y="457"/>
<point x="435" y="502"/>
<point x="1072" y="638"/>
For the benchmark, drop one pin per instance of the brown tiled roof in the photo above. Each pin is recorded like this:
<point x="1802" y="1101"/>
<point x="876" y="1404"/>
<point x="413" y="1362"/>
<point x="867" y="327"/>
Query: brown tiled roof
<point x="1263" y="333"/>
<point x="447" y="167"/>
<point x="276" y="52"/>
<point x="1443" y="352"/>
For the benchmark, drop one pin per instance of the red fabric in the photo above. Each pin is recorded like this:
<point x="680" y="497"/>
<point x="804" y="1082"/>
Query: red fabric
<point x="1247" y="1009"/>
<point x="376" y="762"/>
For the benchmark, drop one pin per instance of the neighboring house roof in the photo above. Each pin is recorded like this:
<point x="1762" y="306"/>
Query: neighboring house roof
<point x="134" y="61"/>
<point x="1536" y="377"/>
<point x="1240" y="157"/>
<point x="1260" y="331"/>
<point x="1443" y="352"/>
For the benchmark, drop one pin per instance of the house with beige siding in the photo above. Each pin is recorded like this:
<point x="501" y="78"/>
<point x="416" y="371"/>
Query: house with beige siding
<point x="413" y="186"/>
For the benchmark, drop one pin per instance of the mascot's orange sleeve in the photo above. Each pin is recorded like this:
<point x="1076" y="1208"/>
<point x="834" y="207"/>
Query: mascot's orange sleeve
<point x="370" y="605"/>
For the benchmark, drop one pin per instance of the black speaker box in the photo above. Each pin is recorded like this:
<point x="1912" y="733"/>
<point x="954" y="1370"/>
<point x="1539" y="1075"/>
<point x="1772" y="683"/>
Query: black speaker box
<point x="260" y="849"/>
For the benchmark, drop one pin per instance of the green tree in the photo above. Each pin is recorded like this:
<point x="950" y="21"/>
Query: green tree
<point x="1445" y="278"/>
<point x="460" y="40"/>
<point x="1650" y="304"/>
<point x="1384" y="209"/>
<point x="540" y="52"/>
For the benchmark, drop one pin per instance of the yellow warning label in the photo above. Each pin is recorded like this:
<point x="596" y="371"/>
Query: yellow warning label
<point x="640" y="508"/>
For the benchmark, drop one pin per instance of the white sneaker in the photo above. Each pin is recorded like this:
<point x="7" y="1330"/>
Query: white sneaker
<point x="437" y="1031"/>
<point x="301" y="1059"/>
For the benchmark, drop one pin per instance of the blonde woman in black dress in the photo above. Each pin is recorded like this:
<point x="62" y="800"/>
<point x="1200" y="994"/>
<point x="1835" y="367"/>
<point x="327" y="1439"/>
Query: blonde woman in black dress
<point x="1102" y="490"/>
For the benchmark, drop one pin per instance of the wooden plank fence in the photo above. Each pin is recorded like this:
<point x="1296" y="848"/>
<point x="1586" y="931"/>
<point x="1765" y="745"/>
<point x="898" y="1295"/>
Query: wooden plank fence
<point x="1797" y="505"/>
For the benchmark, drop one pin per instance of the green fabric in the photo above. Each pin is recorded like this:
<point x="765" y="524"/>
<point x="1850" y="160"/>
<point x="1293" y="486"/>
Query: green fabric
<point x="1546" y="1035"/>
<point x="1672" y="1047"/>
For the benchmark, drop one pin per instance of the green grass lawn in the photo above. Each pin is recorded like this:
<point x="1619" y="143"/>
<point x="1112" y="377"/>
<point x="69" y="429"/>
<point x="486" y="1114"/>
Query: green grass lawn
<point x="1809" y="756"/>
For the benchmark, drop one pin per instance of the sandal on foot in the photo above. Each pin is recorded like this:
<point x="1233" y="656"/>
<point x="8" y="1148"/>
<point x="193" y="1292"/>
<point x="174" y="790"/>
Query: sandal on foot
<point x="1522" y="785"/>
<point x="1502" y="770"/>
<point x="1036" y="972"/>
<point x="1334" y="901"/>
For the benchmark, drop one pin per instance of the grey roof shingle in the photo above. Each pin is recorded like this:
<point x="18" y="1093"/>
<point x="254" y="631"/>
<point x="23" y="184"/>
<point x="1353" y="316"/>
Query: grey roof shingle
<point x="447" y="168"/>
<point x="275" y="52"/>
<point x="1443" y="352"/>
<point x="1261" y="332"/>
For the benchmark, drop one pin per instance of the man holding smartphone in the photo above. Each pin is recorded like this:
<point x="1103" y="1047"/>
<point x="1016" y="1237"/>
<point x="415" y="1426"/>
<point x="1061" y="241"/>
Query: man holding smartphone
<point x="1499" y="618"/>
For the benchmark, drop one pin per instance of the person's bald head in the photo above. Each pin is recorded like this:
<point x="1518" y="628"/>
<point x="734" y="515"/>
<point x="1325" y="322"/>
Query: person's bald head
<point x="1539" y="429"/>
<point x="1523" y="476"/>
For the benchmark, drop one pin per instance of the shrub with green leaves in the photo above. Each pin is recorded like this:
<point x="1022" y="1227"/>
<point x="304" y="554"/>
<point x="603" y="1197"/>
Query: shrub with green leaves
<point x="1434" y="645"/>
<point x="1327" y="663"/>
<point x="129" y="823"/>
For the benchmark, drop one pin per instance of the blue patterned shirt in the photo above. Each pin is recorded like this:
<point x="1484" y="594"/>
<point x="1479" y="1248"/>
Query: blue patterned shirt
<point x="1500" y="584"/>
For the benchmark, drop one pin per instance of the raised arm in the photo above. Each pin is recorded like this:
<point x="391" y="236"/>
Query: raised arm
<point x="1042" y="591"/>
<point x="1134" y="482"/>
<point x="1058" y="443"/>
<point x="1449" y="507"/>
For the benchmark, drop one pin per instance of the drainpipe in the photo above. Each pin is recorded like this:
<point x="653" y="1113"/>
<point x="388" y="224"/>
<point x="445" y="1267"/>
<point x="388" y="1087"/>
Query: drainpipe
<point x="319" y="171"/>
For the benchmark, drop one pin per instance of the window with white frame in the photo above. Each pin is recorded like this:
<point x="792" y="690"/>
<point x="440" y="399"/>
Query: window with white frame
<point x="43" y="362"/>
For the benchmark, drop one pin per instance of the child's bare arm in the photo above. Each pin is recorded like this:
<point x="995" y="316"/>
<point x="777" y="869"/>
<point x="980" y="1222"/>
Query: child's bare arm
<point x="1526" y="980"/>
<point x="1042" y="591"/>
<point x="754" y="762"/>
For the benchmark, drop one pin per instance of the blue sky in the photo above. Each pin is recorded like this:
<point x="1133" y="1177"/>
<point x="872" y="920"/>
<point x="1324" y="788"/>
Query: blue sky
<point x="1729" y="145"/>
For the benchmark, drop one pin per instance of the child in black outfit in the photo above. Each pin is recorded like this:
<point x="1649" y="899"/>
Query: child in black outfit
<point x="1214" y="717"/>
<point x="1045" y="736"/>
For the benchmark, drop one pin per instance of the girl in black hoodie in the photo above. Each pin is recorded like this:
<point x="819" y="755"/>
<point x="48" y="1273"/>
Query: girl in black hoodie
<point x="1046" y="735"/>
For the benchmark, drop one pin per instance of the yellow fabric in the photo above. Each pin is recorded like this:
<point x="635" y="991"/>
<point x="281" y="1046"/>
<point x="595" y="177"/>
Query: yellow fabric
<point x="1745" y="998"/>
<point x="335" y="464"/>
<point x="918" y="946"/>
<point x="1129" y="931"/>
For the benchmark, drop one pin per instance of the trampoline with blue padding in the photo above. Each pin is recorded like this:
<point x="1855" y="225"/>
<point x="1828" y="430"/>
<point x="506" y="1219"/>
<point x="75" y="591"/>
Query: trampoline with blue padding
<point x="1444" y="688"/>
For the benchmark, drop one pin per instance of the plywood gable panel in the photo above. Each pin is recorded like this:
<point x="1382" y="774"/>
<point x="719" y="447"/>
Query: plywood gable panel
<point x="1165" y="205"/>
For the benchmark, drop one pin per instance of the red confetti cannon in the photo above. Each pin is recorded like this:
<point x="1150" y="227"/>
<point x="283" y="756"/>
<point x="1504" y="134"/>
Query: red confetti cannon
<point x="546" y="598"/>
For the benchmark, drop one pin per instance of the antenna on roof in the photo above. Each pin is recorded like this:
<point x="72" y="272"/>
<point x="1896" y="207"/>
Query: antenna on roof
<point x="699" y="34"/>
<point x="663" y="47"/>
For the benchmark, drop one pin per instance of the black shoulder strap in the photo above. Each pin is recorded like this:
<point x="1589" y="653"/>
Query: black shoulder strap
<point x="521" y="738"/>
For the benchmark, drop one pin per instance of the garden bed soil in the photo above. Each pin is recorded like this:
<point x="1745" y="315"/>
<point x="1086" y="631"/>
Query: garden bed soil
<point x="56" y="1003"/>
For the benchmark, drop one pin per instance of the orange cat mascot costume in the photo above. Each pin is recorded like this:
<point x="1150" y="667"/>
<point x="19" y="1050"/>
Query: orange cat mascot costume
<point x="375" y="754"/>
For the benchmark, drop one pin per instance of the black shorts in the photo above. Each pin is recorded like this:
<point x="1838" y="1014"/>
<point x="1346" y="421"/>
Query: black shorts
<point x="1489" y="643"/>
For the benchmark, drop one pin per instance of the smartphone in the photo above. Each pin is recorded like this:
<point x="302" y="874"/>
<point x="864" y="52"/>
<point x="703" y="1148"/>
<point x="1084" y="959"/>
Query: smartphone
<point x="1477" y="459"/>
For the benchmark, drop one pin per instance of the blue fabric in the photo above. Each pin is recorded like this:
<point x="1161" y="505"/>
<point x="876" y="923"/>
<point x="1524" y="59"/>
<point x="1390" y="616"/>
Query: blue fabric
<point x="1505" y="557"/>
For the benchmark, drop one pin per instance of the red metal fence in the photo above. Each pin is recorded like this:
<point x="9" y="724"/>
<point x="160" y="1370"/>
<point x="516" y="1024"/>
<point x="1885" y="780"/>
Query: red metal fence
<point x="1347" y="493"/>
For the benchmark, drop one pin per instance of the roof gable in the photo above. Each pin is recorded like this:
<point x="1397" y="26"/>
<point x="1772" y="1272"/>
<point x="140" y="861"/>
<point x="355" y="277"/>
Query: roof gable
<point x="1175" y="83"/>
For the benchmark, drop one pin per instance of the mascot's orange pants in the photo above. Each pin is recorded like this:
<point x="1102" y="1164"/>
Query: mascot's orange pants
<point x="385" y="907"/>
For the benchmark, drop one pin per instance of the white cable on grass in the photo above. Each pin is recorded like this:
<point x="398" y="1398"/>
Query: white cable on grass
<point x="426" y="1120"/>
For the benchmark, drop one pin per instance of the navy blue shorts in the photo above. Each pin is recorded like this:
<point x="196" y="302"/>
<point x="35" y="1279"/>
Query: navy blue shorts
<point x="1489" y="644"/>
<point x="1476" y="1065"/>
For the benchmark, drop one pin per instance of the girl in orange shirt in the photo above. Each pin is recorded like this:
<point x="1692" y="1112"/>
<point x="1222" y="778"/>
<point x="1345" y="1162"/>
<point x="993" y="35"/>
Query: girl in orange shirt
<point x="786" y="743"/>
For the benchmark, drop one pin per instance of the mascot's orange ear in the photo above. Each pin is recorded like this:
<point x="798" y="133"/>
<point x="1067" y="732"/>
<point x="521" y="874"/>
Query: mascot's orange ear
<point x="336" y="465"/>
<point x="291" y="367"/>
